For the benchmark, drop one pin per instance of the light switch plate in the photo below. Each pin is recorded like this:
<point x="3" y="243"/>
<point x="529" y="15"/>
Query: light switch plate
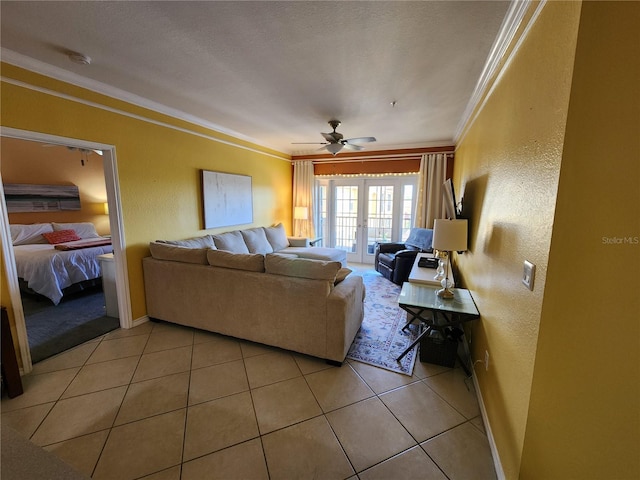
<point x="529" y="274"/>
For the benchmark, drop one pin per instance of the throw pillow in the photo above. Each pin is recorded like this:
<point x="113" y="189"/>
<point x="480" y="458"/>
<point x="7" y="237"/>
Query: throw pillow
<point x="206" y="241"/>
<point x="61" y="236"/>
<point x="231" y="242"/>
<point x="256" y="240"/>
<point x="252" y="262"/>
<point x="341" y="275"/>
<point x="277" y="237"/>
<point x="29" y="234"/>
<point x="176" y="253"/>
<point x="82" y="229"/>
<point x="301" y="267"/>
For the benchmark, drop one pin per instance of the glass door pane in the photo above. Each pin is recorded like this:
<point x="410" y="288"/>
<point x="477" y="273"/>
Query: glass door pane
<point x="346" y="218"/>
<point x="355" y="214"/>
<point x="379" y="215"/>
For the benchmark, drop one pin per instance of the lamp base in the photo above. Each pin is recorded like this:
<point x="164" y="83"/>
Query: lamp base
<point x="444" y="293"/>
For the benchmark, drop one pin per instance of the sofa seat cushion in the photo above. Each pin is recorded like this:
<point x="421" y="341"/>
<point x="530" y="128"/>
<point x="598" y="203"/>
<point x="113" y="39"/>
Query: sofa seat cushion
<point x="256" y="240"/>
<point x="231" y="242"/>
<point x="301" y="267"/>
<point x="176" y="253"/>
<point x="252" y="262"/>
<point x="196" y="242"/>
<point x="277" y="237"/>
<point x="318" y="253"/>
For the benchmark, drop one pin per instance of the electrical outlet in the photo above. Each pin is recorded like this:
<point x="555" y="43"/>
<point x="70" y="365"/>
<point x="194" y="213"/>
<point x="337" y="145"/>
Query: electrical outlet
<point x="486" y="360"/>
<point x="528" y="274"/>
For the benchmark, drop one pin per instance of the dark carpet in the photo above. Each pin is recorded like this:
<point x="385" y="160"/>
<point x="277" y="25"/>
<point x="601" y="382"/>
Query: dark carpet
<point x="52" y="329"/>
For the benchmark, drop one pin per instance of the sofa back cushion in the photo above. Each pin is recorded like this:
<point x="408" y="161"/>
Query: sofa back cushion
<point x="231" y="242"/>
<point x="252" y="262"/>
<point x="301" y="267"/>
<point x="196" y="242"/>
<point x="277" y="237"/>
<point x="256" y="240"/>
<point x="176" y="253"/>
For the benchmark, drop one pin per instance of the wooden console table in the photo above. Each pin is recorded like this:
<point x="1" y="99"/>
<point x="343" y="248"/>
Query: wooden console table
<point x="423" y="275"/>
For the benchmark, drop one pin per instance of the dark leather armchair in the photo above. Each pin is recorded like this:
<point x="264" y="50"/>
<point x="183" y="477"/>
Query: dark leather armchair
<point x="395" y="260"/>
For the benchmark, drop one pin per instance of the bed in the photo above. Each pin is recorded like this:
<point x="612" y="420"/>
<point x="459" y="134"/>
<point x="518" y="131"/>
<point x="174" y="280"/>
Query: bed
<point x="53" y="259"/>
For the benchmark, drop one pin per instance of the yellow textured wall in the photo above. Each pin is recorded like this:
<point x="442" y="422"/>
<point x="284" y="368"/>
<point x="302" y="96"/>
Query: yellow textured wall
<point x="584" y="416"/>
<point x="507" y="169"/>
<point x="158" y="167"/>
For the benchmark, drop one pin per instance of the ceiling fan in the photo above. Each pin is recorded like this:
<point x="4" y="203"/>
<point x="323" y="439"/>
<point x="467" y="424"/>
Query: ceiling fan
<point x="84" y="152"/>
<point x="335" y="141"/>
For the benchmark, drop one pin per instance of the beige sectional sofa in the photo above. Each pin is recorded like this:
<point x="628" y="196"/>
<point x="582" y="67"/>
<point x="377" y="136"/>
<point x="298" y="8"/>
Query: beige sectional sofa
<point x="279" y="298"/>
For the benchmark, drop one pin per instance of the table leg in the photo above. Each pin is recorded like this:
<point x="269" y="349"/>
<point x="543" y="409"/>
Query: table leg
<point x="416" y="341"/>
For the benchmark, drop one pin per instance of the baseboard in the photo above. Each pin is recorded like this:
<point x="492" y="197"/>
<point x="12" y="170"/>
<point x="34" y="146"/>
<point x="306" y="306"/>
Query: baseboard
<point x="487" y="426"/>
<point x="139" y="321"/>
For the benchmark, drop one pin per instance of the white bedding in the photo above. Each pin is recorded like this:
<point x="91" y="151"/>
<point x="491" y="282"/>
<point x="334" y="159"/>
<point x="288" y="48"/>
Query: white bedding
<point x="47" y="270"/>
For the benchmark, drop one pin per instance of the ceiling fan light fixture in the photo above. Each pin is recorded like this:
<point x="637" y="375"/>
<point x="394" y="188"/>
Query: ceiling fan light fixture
<point x="334" y="148"/>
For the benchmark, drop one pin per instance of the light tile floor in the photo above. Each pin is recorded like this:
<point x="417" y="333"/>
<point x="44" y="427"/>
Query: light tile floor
<point x="165" y="402"/>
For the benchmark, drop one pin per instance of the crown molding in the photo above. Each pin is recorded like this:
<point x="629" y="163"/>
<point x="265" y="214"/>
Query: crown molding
<point x="57" y="73"/>
<point x="510" y="26"/>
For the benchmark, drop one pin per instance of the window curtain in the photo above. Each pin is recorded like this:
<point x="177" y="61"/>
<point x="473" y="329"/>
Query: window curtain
<point x="430" y="204"/>
<point x="303" y="190"/>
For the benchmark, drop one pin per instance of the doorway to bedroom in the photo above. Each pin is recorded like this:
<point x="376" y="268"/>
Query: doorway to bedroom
<point x="63" y="306"/>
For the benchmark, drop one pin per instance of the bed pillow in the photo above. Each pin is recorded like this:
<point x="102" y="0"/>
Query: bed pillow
<point x="82" y="229"/>
<point x="29" y="234"/>
<point x="61" y="236"/>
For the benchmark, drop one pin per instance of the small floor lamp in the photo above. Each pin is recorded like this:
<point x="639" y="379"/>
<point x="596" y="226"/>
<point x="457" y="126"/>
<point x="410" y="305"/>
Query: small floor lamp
<point x="301" y="214"/>
<point x="450" y="236"/>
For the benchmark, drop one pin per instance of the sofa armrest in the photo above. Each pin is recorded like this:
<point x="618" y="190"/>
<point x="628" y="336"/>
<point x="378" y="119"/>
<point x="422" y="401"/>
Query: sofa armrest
<point x="298" y="242"/>
<point x="345" y="311"/>
<point x="407" y="254"/>
<point x="390" y="247"/>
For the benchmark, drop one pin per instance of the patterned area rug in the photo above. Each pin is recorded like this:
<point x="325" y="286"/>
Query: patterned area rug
<point x="381" y="339"/>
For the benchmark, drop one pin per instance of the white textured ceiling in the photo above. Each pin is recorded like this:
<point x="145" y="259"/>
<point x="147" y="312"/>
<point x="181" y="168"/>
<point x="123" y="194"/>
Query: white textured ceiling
<point x="275" y="72"/>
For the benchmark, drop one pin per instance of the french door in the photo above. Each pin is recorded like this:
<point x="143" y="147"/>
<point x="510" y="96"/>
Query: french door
<point x="355" y="213"/>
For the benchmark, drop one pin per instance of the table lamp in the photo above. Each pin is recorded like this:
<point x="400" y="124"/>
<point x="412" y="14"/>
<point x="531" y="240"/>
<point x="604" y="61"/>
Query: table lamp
<point x="449" y="235"/>
<point x="301" y="213"/>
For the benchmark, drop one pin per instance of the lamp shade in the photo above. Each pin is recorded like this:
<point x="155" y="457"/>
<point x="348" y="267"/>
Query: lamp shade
<point x="301" y="213"/>
<point x="450" y="235"/>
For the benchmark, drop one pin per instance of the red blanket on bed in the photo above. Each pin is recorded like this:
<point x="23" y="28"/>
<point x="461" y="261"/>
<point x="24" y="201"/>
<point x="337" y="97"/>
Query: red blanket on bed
<point x="78" y="245"/>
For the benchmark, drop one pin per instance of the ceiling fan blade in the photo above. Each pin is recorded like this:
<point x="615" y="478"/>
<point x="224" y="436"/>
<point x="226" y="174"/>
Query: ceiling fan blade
<point x="89" y="151"/>
<point x="351" y="146"/>
<point x="360" y="140"/>
<point x="308" y="143"/>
